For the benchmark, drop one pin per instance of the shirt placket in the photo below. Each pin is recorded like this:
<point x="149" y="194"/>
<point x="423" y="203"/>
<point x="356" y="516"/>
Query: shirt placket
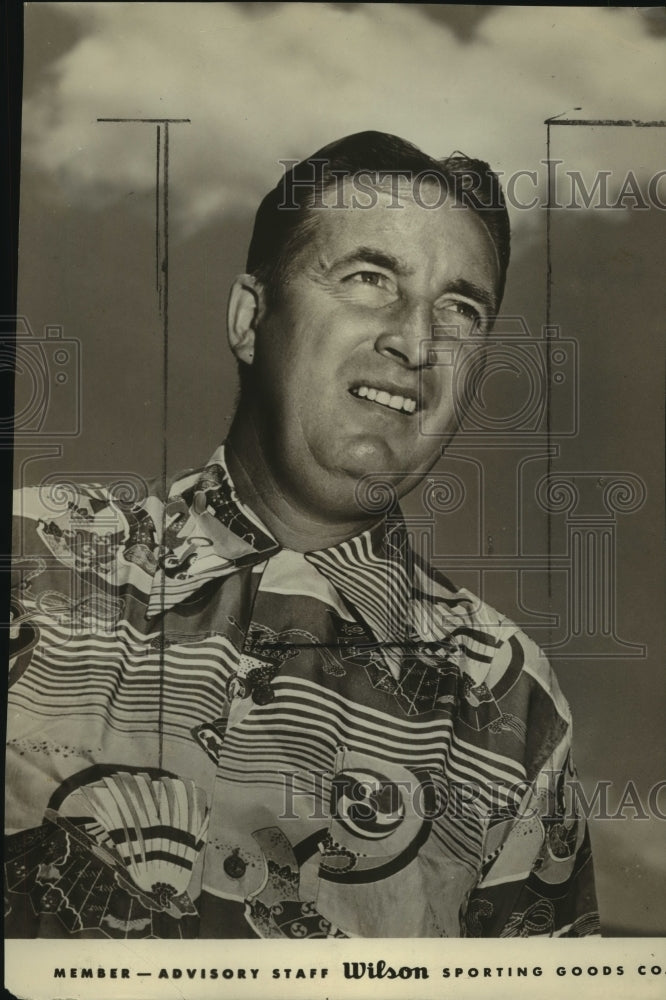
<point x="229" y="853"/>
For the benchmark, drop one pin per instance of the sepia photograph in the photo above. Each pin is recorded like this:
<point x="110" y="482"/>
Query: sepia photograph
<point x="336" y="580"/>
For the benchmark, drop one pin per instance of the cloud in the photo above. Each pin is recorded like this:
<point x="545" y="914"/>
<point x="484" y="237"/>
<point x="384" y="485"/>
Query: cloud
<point x="281" y="82"/>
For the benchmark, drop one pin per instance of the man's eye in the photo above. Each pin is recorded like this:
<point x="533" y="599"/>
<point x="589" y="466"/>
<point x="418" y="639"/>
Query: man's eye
<point x="462" y="308"/>
<point x="374" y="278"/>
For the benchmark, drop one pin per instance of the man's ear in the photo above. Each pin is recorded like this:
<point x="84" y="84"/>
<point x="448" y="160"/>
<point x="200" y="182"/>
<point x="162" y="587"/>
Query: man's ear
<point x="243" y="312"/>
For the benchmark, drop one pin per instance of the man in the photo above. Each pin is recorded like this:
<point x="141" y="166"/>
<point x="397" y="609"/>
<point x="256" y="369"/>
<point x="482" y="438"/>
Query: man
<point x="249" y="706"/>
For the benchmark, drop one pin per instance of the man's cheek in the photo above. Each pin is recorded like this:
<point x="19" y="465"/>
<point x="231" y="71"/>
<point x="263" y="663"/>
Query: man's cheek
<point x="440" y="415"/>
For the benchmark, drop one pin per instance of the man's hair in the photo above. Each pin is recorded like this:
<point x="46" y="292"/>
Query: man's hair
<point x="287" y="214"/>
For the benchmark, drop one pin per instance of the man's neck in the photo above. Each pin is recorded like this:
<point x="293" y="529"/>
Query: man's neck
<point x="290" y="524"/>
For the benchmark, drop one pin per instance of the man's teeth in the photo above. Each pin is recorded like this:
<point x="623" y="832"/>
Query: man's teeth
<point x="386" y="399"/>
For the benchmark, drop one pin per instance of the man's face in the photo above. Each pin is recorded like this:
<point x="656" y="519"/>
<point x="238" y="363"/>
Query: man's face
<point x="340" y="384"/>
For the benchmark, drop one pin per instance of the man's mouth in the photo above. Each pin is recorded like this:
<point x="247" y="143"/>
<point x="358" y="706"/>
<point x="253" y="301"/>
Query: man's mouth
<point x="393" y="401"/>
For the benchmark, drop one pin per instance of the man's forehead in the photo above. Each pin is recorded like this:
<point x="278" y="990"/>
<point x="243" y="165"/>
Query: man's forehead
<point x="392" y="217"/>
<point x="395" y="189"/>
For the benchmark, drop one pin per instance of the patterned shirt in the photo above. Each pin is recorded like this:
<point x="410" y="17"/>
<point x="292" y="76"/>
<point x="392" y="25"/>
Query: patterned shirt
<point x="211" y="735"/>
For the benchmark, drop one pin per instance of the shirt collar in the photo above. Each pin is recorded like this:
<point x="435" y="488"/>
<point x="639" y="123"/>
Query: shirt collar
<point x="207" y="532"/>
<point x="371" y="571"/>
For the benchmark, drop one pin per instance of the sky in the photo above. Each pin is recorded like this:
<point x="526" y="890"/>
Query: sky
<point x="265" y="81"/>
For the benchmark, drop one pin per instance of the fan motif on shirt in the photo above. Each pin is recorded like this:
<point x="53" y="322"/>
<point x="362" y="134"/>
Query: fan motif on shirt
<point x="478" y="708"/>
<point x="276" y="910"/>
<point x="123" y="863"/>
<point x="264" y="651"/>
<point x="427" y="671"/>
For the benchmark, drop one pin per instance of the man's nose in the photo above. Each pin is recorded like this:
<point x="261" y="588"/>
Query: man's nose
<point x="404" y="338"/>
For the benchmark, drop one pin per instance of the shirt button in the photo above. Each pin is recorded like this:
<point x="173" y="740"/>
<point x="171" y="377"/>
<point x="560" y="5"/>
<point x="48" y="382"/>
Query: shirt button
<point x="234" y="866"/>
<point x="263" y="694"/>
<point x="199" y="502"/>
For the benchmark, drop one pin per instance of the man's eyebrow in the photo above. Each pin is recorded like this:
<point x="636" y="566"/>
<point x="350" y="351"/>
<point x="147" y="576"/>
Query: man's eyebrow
<point x="458" y="286"/>
<point x="462" y="286"/>
<point x="372" y="255"/>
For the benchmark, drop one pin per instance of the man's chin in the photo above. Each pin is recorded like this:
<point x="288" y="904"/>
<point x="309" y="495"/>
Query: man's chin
<point x="364" y="455"/>
<point x="371" y="470"/>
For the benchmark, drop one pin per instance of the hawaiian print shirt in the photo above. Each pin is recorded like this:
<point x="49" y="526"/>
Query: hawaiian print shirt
<point x="211" y="735"/>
